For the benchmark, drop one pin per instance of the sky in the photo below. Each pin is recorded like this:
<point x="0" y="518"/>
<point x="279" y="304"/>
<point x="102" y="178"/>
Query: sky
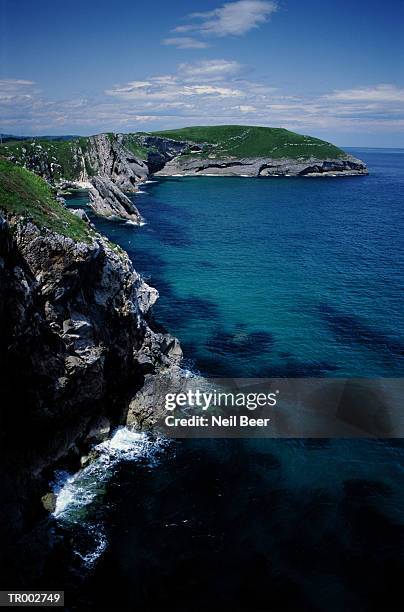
<point x="334" y="70"/>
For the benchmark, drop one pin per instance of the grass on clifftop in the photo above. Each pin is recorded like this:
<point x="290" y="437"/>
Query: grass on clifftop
<point x="60" y="153"/>
<point x="26" y="194"/>
<point x="247" y="142"/>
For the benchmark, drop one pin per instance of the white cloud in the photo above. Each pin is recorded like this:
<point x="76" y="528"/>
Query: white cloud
<point x="230" y="19"/>
<point x="185" y="42"/>
<point x="233" y="18"/>
<point x="205" y="92"/>
<point x="202" y="90"/>
<point x="214" y="70"/>
<point x="204" y="78"/>
<point x="245" y="108"/>
<point x="170" y="90"/>
<point x="12" y="90"/>
<point x="379" y="93"/>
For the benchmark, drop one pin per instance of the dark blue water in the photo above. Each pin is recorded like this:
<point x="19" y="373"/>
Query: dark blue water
<point x="299" y="277"/>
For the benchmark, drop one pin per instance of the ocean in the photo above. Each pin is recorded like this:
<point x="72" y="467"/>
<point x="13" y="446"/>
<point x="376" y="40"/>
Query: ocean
<point x="257" y="277"/>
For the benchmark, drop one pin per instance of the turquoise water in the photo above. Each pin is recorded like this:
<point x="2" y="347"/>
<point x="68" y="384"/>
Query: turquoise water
<point x="278" y="277"/>
<point x="300" y="277"/>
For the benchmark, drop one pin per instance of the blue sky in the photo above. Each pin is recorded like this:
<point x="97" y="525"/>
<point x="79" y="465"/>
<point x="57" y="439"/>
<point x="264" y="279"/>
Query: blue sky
<point x="334" y="70"/>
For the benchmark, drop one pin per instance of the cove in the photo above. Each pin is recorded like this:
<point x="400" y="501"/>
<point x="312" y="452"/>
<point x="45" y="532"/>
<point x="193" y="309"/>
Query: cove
<point x="292" y="524"/>
<point x="276" y="277"/>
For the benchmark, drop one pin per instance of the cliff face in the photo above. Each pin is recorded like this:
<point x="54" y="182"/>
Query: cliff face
<point x="193" y="165"/>
<point x="126" y="159"/>
<point x="111" y="164"/>
<point x="107" y="156"/>
<point x="75" y="346"/>
<point x="80" y="159"/>
<point x="107" y="200"/>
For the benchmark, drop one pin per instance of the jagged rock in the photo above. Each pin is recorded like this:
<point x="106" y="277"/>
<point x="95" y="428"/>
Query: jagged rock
<point x="49" y="502"/>
<point x="196" y="166"/>
<point x="161" y="150"/>
<point x="109" y="158"/>
<point x="99" y="430"/>
<point x="87" y="459"/>
<point x="107" y="200"/>
<point x="147" y="408"/>
<point x="75" y="344"/>
<point x="81" y="214"/>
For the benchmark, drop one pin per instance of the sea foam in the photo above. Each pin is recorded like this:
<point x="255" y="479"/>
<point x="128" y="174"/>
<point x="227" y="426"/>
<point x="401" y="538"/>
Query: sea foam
<point x="79" y="494"/>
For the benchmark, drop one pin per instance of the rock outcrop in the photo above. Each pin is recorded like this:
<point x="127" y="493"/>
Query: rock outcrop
<point x="107" y="200"/>
<point x="127" y="159"/>
<point x="195" y="165"/>
<point x="161" y="150"/>
<point x="75" y="346"/>
<point x="107" y="156"/>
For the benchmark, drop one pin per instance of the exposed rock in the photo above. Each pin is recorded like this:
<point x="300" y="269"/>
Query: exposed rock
<point x="81" y="214"/>
<point x="126" y="159"/>
<point x="107" y="156"/>
<point x="75" y="345"/>
<point x="161" y="150"/>
<point x="196" y="166"/>
<point x="107" y="200"/>
<point x="87" y="459"/>
<point x="99" y="430"/>
<point x="107" y="165"/>
<point x="49" y="502"/>
<point x="147" y="408"/>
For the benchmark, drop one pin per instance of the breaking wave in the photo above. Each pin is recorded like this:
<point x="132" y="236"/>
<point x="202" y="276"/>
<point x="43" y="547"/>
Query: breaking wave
<point x="79" y="495"/>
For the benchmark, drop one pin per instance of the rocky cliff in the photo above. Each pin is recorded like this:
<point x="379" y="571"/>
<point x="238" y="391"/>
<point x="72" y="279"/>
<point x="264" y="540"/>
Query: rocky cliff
<point x="235" y="150"/>
<point x="80" y="159"/>
<point x="107" y="155"/>
<point x="116" y="163"/>
<point x="107" y="200"/>
<point x="193" y="165"/>
<point x="76" y="343"/>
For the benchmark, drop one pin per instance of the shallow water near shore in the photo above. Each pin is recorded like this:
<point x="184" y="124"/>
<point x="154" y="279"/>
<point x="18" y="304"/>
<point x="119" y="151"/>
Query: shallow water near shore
<point x="262" y="277"/>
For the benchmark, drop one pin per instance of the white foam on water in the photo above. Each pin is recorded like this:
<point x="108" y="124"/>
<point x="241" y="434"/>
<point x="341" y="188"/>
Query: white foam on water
<point x="77" y="494"/>
<point x="100" y="545"/>
<point x="74" y="491"/>
<point x="147" y="182"/>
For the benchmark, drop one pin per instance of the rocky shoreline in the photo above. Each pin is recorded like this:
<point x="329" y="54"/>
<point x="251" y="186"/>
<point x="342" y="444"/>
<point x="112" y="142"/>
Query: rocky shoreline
<point x="79" y="352"/>
<point x="111" y="165"/>
<point x="76" y="344"/>
<point x="262" y="167"/>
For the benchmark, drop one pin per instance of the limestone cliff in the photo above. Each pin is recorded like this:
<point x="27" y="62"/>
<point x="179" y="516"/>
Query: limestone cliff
<point x="127" y="159"/>
<point x="107" y="200"/>
<point x="80" y="159"/>
<point x="76" y="344"/>
<point x="259" y="167"/>
<point x="107" y="156"/>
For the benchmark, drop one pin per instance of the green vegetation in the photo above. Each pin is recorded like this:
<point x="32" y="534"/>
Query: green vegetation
<point x="26" y="194"/>
<point x="62" y="154"/>
<point x="133" y="143"/>
<point x="248" y="142"/>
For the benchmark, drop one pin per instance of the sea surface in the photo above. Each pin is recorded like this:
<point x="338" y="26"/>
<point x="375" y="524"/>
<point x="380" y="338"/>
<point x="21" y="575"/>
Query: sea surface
<point x="257" y="277"/>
